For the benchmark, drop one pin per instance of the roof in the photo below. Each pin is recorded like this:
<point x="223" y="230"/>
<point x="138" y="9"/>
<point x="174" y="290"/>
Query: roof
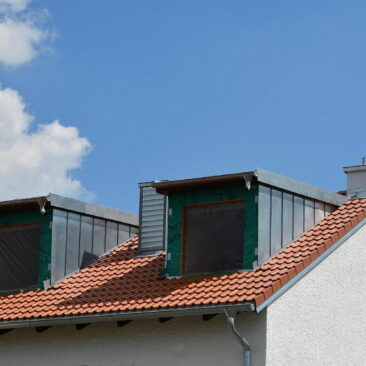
<point x="260" y="176"/>
<point x="69" y="204"/>
<point x="122" y="282"/>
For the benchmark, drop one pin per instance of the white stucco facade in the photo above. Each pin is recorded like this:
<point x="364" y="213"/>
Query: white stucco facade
<point x="321" y="320"/>
<point x="180" y="341"/>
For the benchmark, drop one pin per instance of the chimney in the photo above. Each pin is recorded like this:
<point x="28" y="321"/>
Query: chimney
<point x="356" y="180"/>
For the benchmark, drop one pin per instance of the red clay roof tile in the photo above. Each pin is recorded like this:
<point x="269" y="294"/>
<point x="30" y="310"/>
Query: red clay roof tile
<point x="119" y="282"/>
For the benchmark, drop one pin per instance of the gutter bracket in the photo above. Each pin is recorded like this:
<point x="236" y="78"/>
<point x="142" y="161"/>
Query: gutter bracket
<point x="42" y="206"/>
<point x="248" y="179"/>
<point x="230" y="315"/>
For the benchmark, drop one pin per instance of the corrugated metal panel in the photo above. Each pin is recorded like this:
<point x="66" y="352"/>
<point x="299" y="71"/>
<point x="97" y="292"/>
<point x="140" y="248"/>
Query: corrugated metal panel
<point x="152" y="219"/>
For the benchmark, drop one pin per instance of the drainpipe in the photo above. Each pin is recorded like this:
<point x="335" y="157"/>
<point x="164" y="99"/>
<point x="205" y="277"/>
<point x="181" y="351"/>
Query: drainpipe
<point x="230" y="315"/>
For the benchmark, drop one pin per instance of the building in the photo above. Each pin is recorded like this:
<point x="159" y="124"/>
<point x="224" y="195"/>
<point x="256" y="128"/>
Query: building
<point x="240" y="269"/>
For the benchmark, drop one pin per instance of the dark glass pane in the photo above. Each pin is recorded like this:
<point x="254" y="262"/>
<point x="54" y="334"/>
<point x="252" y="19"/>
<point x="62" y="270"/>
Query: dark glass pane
<point x="213" y="237"/>
<point x="19" y="256"/>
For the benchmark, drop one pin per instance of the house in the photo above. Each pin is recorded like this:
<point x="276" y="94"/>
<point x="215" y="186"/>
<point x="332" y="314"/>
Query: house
<point x="241" y="269"/>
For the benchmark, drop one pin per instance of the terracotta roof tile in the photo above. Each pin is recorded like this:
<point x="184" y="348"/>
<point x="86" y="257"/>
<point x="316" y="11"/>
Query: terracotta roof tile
<point x="120" y="282"/>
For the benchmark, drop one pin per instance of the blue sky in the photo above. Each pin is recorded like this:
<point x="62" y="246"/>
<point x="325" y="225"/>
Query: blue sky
<point x="176" y="89"/>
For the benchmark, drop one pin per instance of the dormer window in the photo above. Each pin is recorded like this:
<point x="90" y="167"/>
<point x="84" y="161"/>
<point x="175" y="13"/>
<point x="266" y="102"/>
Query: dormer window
<point x="19" y="256"/>
<point x="226" y="223"/>
<point x="44" y="239"/>
<point x="213" y="237"/>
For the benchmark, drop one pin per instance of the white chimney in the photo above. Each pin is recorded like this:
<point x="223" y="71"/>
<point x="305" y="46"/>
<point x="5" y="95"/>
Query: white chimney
<point x="356" y="180"/>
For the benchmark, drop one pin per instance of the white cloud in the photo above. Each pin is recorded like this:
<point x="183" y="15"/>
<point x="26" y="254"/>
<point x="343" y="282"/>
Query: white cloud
<point x="39" y="162"/>
<point x="13" y="6"/>
<point x="22" y="36"/>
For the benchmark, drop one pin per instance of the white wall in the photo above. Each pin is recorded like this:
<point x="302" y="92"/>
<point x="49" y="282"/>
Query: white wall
<point x="322" y="319"/>
<point x="180" y="341"/>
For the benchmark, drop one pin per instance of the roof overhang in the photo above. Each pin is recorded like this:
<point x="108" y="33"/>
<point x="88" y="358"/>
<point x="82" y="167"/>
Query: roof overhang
<point x="22" y="204"/>
<point x="258" y="176"/>
<point x="129" y="315"/>
<point x="69" y="204"/>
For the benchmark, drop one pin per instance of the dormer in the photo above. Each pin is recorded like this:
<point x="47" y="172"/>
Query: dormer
<point x="226" y="223"/>
<point x="45" y="239"/>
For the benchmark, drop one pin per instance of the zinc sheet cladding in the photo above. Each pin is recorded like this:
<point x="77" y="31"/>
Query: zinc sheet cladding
<point x="152" y="219"/>
<point x="284" y="217"/>
<point x="78" y="240"/>
<point x="119" y="281"/>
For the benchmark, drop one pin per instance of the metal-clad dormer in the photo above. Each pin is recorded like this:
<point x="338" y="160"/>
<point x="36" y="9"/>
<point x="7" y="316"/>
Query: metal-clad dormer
<point x="237" y="221"/>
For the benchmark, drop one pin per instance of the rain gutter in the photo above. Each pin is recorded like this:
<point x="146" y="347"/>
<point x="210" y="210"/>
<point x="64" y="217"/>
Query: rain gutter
<point x="129" y="315"/>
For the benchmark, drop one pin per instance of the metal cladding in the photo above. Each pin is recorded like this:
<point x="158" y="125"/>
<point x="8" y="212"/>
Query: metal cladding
<point x="152" y="216"/>
<point x="73" y="234"/>
<point x="283" y="217"/>
<point x="356" y="180"/>
<point x="249" y="178"/>
<point x="78" y="240"/>
<point x="286" y="208"/>
<point x="83" y="231"/>
<point x="124" y="286"/>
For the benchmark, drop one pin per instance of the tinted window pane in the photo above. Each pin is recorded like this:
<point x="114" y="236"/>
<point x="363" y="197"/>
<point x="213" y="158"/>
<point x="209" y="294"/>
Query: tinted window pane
<point x="213" y="237"/>
<point x="19" y="256"/>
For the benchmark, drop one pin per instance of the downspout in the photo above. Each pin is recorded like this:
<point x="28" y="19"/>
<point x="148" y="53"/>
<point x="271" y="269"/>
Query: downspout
<point x="230" y="315"/>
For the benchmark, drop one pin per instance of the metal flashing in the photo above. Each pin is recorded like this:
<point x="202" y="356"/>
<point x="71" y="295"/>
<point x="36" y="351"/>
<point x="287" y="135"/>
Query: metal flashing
<point x="70" y="204"/>
<point x="124" y="316"/>
<point x="300" y="188"/>
<point x="247" y="178"/>
<point x="307" y="269"/>
<point x="354" y="168"/>
<point x="92" y="209"/>
<point x="21" y="204"/>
